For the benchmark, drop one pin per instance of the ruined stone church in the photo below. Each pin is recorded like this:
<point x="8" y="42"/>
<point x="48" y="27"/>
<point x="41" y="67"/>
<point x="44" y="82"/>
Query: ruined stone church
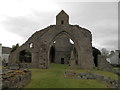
<point x="53" y="45"/>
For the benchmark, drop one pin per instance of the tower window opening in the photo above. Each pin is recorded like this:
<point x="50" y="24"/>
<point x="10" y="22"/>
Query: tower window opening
<point x="62" y="22"/>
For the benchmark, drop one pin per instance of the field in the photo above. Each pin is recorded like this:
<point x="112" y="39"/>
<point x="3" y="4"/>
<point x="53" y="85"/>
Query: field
<point x="54" y="78"/>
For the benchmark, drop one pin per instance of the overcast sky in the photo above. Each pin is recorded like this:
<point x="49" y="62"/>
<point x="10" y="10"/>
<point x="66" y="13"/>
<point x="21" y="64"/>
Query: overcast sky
<point x="19" y="19"/>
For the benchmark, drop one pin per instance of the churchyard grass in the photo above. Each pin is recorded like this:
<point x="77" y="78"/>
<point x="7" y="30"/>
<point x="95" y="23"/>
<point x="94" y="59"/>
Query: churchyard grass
<point x="54" y="78"/>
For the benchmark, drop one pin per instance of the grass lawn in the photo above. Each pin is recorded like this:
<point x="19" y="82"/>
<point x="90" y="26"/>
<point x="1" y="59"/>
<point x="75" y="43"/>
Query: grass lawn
<point x="54" y="78"/>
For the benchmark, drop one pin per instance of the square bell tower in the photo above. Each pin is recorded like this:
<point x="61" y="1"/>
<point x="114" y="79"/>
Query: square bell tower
<point x="62" y="18"/>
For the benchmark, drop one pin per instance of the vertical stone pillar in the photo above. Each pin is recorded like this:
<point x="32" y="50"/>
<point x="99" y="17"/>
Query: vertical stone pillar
<point x="72" y="60"/>
<point x="43" y="63"/>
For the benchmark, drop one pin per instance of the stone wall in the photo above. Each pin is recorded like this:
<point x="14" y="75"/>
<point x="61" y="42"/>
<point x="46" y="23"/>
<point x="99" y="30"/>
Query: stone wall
<point x="104" y="65"/>
<point x="15" y="79"/>
<point x="5" y="57"/>
<point x="42" y="40"/>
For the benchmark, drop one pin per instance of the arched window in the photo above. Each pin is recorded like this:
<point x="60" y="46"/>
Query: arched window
<point x="31" y="45"/>
<point x="71" y="41"/>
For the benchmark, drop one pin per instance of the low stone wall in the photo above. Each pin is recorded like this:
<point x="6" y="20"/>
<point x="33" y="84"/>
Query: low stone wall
<point x="72" y="75"/>
<point x="15" y="79"/>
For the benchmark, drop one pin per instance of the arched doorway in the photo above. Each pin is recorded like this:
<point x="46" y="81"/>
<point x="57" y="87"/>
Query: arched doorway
<point x="60" y="49"/>
<point x="62" y="61"/>
<point x="52" y="54"/>
<point x="25" y="57"/>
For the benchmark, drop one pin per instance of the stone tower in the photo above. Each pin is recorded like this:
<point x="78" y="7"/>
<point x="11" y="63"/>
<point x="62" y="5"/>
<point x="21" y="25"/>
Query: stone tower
<point x="62" y="18"/>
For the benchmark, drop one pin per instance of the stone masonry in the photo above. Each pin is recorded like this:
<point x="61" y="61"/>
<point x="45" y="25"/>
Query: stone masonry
<point x="51" y="45"/>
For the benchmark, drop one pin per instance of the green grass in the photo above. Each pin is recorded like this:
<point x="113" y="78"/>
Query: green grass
<point x="54" y="78"/>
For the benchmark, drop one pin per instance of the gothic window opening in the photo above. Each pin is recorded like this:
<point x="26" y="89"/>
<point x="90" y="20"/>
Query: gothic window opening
<point x="31" y="45"/>
<point x="25" y="56"/>
<point x="71" y="41"/>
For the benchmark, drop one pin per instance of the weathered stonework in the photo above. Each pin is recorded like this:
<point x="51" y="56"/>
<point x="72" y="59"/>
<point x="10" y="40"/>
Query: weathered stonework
<point x="112" y="83"/>
<point x="104" y="65"/>
<point x="15" y="79"/>
<point x="57" y="36"/>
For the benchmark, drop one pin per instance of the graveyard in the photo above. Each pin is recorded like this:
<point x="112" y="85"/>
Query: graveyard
<point x="58" y="76"/>
<point x="54" y="77"/>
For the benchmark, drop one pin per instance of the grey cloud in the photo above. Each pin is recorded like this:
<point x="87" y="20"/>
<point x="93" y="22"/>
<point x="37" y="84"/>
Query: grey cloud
<point x="86" y="12"/>
<point x="26" y="26"/>
<point x="99" y="17"/>
<point x="111" y="44"/>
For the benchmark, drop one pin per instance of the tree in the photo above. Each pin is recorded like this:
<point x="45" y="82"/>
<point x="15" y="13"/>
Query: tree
<point x="104" y="52"/>
<point x="14" y="47"/>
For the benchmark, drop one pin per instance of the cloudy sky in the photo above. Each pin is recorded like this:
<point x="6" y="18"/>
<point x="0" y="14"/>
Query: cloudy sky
<point x="19" y="19"/>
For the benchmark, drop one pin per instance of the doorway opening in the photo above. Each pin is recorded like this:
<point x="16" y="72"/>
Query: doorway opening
<point x="62" y="60"/>
<point x="25" y="56"/>
<point x="52" y="54"/>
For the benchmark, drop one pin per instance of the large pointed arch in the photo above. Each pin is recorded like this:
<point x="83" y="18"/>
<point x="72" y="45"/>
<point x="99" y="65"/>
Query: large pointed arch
<point x="58" y="36"/>
<point x="25" y="56"/>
